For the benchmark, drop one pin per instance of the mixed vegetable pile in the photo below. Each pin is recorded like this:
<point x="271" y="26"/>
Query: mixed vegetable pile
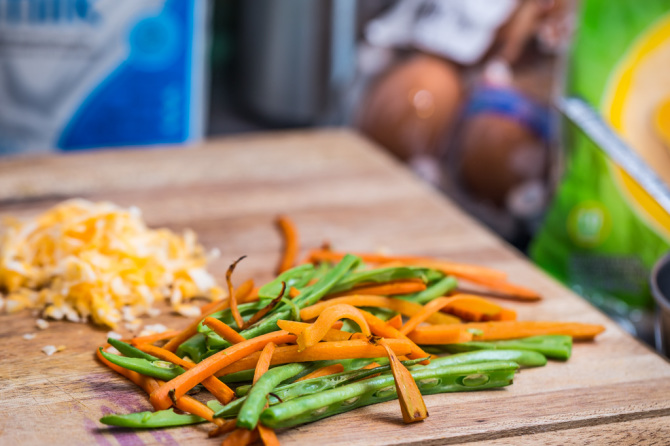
<point x="337" y="332"/>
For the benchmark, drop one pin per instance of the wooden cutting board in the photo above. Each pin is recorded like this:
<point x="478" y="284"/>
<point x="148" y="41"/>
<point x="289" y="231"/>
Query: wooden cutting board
<point x="340" y="188"/>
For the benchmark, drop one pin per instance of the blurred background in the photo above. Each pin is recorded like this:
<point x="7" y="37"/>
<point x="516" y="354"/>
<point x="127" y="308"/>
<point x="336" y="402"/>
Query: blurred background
<point x="464" y="92"/>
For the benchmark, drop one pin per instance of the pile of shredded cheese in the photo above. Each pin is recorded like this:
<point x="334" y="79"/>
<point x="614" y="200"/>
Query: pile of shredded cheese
<point x="82" y="260"/>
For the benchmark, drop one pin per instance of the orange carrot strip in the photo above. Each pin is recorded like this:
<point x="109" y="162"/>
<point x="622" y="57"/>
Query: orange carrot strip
<point x="501" y="286"/>
<point x="293" y="292"/>
<point x="372" y="365"/>
<point x="240" y="437"/>
<point x="242" y="293"/>
<point x="467" y="307"/>
<point x="383" y="329"/>
<point x="148" y="384"/>
<point x="223" y="330"/>
<point x="251" y="297"/>
<point x="315" y="332"/>
<point x="386" y="289"/>
<point x="233" y="298"/>
<point x="264" y="360"/>
<point x="521" y="329"/>
<point x="323" y="371"/>
<point x="505" y="314"/>
<point x="219" y="390"/>
<point x="297" y="328"/>
<point x="358" y="348"/>
<point x="445" y="266"/>
<point x="290" y="249"/>
<point x="412" y="406"/>
<point x="181" y="384"/>
<point x="401" y="306"/>
<point x="395" y="321"/>
<point x="475" y="308"/>
<point x="150" y="339"/>
<point x="440" y="334"/>
<point x="266" y="309"/>
<point x="267" y="435"/>
<point x="224" y="428"/>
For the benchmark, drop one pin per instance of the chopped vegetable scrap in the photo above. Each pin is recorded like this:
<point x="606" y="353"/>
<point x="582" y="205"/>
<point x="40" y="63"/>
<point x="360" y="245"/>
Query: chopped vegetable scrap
<point x="332" y="335"/>
<point x="81" y="260"/>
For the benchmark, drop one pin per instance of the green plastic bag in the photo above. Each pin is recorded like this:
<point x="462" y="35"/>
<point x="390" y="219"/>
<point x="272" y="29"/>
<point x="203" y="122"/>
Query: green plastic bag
<point x="603" y="232"/>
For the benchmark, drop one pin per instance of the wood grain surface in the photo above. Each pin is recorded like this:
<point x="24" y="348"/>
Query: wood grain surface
<point x="337" y="187"/>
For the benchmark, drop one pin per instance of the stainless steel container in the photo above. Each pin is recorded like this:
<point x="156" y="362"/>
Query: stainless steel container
<point x="660" y="287"/>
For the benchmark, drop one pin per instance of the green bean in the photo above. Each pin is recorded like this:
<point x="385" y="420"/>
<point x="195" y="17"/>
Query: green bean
<point x="238" y="377"/>
<point x="437" y="289"/>
<point x="295" y="277"/>
<point x="379" y="275"/>
<point x="524" y="358"/>
<point x="257" y="397"/>
<point x="307" y="387"/>
<point x="382" y="388"/>
<point x="147" y="420"/>
<point x="129" y="350"/>
<point x="551" y="346"/>
<point x="195" y="348"/>
<point x="158" y="369"/>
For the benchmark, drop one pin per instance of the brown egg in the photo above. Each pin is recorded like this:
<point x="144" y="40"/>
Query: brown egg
<point x="411" y="107"/>
<point x="498" y="154"/>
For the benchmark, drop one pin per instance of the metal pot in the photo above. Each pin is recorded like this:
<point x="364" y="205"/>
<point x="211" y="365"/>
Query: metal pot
<point x="660" y="287"/>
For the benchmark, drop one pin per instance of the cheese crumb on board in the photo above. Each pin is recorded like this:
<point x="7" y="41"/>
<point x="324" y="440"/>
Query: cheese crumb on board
<point x="82" y="260"/>
<point x="41" y="324"/>
<point x="49" y="350"/>
<point x="29" y="336"/>
<point x="114" y="335"/>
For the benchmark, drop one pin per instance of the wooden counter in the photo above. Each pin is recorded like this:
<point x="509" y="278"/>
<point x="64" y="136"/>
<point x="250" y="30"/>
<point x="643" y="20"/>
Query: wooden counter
<point x="336" y="186"/>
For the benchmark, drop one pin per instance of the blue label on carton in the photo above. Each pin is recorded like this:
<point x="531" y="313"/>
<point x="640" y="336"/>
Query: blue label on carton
<point x="79" y="74"/>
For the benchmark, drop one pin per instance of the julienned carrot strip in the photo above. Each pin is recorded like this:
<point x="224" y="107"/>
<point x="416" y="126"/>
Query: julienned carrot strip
<point x="266" y="309"/>
<point x="505" y="314"/>
<point x="268" y="436"/>
<point x="264" y="360"/>
<point x="412" y="406"/>
<point x="148" y="384"/>
<point x="251" y="297"/>
<point x="476" y="309"/>
<point x="386" y="289"/>
<point x="192" y="328"/>
<point x="297" y="328"/>
<point x="491" y="331"/>
<point x="372" y="365"/>
<point x="506" y="289"/>
<point x="401" y="306"/>
<point x="150" y="339"/>
<point x="233" y="298"/>
<point x="383" y="329"/>
<point x="293" y="292"/>
<point x="181" y="384"/>
<point x="242" y="293"/>
<point x="219" y="390"/>
<point x="240" y="437"/>
<point x="223" y="330"/>
<point x="447" y="267"/>
<point x="440" y="334"/>
<point x="323" y="371"/>
<point x="223" y="428"/>
<point x="469" y="305"/>
<point x="290" y="248"/>
<point x="395" y="321"/>
<point x="358" y="348"/>
<point x="315" y="332"/>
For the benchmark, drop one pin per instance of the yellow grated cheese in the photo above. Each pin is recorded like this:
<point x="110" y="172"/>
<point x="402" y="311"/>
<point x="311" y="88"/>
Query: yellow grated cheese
<point x="82" y="260"/>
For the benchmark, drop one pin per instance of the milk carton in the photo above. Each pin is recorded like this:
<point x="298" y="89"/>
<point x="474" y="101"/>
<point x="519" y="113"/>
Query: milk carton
<point x="79" y="74"/>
